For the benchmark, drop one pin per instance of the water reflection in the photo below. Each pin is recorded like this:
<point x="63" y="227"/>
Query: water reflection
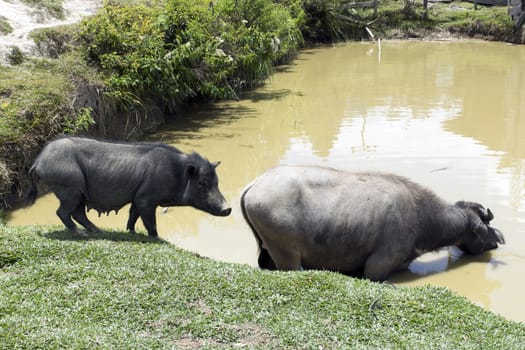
<point x="447" y="115"/>
<point x="467" y="275"/>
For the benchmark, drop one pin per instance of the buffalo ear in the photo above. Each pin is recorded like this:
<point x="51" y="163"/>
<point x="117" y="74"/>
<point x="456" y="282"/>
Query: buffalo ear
<point x="490" y="216"/>
<point x="216" y="164"/>
<point x="485" y="214"/>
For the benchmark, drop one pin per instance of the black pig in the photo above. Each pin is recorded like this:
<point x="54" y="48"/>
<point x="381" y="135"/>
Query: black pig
<point x="105" y="176"/>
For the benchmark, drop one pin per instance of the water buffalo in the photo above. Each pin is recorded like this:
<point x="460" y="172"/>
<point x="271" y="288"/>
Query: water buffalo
<point x="370" y="224"/>
<point x="104" y="176"/>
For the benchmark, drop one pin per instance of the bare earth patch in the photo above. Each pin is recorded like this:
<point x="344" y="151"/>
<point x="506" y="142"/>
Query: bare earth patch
<point x="23" y="19"/>
<point x="250" y="335"/>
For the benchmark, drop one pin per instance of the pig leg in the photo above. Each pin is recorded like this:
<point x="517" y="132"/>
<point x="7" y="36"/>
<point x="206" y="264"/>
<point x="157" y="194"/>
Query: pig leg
<point x="133" y="217"/>
<point x="64" y="213"/>
<point x="80" y="216"/>
<point x="147" y="214"/>
<point x="69" y="201"/>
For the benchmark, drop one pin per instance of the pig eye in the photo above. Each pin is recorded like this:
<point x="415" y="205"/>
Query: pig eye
<point x="203" y="183"/>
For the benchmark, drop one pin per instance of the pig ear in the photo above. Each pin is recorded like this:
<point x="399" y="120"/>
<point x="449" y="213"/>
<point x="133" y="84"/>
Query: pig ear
<point x="216" y="164"/>
<point x="192" y="170"/>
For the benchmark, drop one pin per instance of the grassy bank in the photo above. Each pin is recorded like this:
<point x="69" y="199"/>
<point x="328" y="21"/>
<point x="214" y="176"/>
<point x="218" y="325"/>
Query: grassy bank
<point x="457" y="19"/>
<point x="118" y="290"/>
<point x="37" y="101"/>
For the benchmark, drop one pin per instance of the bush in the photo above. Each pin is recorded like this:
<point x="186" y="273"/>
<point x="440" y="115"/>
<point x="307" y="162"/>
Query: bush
<point x="186" y="49"/>
<point x="331" y="21"/>
<point x="259" y="34"/>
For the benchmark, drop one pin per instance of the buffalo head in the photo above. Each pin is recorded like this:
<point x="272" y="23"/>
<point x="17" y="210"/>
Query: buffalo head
<point x="479" y="236"/>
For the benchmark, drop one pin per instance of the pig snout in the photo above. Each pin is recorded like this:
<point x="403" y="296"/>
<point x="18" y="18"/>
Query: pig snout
<point x="224" y="209"/>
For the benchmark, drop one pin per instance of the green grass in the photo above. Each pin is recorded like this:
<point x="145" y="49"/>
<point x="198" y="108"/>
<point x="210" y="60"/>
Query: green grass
<point x="486" y="21"/>
<point x="36" y="103"/>
<point x="117" y="290"/>
<point x="33" y="106"/>
<point x="5" y="27"/>
<point x="31" y="96"/>
<point x="396" y="19"/>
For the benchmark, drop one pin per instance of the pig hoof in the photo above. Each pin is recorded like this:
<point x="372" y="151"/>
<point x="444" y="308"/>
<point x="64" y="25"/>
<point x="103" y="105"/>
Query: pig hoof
<point x="80" y="233"/>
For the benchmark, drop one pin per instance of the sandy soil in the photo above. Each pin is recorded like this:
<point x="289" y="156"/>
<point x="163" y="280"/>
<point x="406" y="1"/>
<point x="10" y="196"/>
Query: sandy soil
<point x="24" y="19"/>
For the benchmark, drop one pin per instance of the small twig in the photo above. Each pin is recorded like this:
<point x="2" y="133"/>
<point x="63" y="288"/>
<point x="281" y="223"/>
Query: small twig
<point x="374" y="303"/>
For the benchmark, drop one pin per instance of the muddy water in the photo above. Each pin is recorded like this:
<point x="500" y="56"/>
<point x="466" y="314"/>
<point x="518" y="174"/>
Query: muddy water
<point x="450" y="116"/>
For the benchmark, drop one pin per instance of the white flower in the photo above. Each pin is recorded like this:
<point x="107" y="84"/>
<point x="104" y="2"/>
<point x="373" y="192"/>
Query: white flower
<point x="275" y="43"/>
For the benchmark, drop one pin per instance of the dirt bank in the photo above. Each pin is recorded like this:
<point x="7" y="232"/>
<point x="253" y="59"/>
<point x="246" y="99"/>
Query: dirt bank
<point x="111" y="122"/>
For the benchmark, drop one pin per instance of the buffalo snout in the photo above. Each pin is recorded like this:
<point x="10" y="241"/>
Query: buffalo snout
<point x="478" y="246"/>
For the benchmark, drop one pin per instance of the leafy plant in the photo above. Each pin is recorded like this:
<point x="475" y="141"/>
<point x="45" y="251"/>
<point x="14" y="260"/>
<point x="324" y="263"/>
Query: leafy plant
<point x="180" y="50"/>
<point x="128" y="46"/>
<point x="258" y="34"/>
<point x="327" y="21"/>
<point x="81" y="122"/>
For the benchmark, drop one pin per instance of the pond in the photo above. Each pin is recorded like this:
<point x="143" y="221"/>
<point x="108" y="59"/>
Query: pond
<point x="448" y="115"/>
